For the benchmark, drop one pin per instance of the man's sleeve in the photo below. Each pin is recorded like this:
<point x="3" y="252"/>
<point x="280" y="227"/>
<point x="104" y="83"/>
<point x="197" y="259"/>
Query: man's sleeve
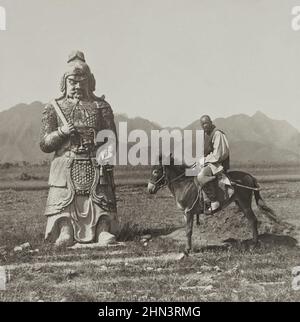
<point x="221" y="148"/>
<point x="50" y="140"/>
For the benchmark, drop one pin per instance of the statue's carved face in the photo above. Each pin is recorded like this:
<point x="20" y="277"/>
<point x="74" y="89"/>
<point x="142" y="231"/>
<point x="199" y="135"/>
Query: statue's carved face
<point x="77" y="87"/>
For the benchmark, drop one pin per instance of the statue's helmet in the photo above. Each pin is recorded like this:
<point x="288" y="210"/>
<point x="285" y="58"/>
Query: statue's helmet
<point x="77" y="68"/>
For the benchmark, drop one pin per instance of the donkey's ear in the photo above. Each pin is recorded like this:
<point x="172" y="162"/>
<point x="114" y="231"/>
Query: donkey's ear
<point x="160" y="158"/>
<point x="171" y="159"/>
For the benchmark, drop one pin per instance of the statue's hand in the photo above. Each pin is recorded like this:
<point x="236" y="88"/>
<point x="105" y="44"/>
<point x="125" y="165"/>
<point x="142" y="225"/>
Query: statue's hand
<point x="106" y="155"/>
<point x="68" y="129"/>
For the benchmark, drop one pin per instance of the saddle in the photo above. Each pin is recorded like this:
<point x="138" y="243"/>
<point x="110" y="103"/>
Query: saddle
<point x="225" y="188"/>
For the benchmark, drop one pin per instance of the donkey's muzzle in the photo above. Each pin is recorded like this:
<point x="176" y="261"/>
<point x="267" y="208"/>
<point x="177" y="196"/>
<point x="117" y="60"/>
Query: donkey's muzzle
<point x="151" y="187"/>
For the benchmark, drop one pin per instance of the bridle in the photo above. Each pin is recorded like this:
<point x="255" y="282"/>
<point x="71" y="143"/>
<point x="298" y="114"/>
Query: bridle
<point x="164" y="179"/>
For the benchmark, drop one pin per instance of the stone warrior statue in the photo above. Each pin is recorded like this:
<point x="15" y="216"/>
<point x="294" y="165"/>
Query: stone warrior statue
<point x="81" y="203"/>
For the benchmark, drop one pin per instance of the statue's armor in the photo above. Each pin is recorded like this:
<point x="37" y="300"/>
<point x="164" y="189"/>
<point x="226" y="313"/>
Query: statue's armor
<point x="88" y="118"/>
<point x="81" y="201"/>
<point x="74" y="166"/>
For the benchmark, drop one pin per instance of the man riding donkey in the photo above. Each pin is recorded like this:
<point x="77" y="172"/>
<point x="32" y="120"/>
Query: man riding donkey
<point x="212" y="181"/>
<point x="214" y="163"/>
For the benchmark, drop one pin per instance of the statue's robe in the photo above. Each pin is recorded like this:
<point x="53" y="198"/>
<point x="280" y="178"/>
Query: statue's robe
<point x="79" y="189"/>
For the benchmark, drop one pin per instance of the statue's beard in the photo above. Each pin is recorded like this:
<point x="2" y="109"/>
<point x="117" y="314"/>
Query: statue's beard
<point x="77" y="95"/>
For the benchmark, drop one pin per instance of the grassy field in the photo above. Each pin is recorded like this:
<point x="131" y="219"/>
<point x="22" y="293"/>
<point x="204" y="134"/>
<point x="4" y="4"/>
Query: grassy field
<point x="135" y="271"/>
<point x="34" y="177"/>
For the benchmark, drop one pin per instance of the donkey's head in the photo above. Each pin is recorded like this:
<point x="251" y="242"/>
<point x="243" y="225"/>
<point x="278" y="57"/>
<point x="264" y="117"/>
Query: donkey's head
<point x="163" y="173"/>
<point x="158" y="176"/>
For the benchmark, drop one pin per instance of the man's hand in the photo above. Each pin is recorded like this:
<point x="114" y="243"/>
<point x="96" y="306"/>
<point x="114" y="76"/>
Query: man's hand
<point x="202" y="162"/>
<point x="68" y="129"/>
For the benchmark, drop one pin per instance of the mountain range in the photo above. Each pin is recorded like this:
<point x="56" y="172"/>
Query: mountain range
<point x="253" y="139"/>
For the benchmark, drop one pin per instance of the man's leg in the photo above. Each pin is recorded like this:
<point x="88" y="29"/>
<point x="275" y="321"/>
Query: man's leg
<point x="211" y="191"/>
<point x="209" y="185"/>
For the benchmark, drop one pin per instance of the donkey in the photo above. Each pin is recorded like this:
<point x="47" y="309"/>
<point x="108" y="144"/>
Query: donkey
<point x="188" y="196"/>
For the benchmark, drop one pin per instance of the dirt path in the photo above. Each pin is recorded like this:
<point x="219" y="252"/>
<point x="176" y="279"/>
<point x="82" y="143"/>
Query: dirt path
<point x="99" y="262"/>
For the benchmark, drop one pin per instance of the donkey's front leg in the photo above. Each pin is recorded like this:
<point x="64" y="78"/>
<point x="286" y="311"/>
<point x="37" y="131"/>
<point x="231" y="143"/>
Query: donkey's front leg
<point x="189" y="232"/>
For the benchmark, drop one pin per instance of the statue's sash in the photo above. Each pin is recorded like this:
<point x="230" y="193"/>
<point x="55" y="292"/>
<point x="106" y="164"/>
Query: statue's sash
<point x="59" y="112"/>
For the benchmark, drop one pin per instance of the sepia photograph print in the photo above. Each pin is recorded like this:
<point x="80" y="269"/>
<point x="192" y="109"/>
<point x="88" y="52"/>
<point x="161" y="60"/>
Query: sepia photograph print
<point x="149" y="152"/>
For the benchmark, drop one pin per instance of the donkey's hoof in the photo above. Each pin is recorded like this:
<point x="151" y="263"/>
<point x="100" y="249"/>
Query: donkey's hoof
<point x="256" y="244"/>
<point x="187" y="251"/>
<point x="182" y="256"/>
<point x="252" y="244"/>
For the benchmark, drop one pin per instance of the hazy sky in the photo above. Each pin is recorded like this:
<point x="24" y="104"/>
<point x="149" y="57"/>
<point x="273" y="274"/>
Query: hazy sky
<point x="167" y="60"/>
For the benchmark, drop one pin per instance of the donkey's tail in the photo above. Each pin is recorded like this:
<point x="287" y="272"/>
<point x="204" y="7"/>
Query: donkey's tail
<point x="269" y="212"/>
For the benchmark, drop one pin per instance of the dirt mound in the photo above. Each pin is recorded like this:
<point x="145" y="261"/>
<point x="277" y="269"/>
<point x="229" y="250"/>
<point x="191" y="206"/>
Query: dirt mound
<point x="229" y="225"/>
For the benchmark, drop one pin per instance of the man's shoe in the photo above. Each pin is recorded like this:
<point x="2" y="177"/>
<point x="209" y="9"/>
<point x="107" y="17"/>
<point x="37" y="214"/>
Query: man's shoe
<point x="215" y="206"/>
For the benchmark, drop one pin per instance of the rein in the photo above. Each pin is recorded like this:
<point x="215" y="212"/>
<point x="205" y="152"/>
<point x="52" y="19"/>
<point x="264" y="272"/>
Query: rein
<point x="163" y="177"/>
<point x="176" y="178"/>
<point x="166" y="182"/>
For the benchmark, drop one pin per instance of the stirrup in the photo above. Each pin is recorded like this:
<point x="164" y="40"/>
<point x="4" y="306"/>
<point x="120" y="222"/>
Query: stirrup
<point x="210" y="212"/>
